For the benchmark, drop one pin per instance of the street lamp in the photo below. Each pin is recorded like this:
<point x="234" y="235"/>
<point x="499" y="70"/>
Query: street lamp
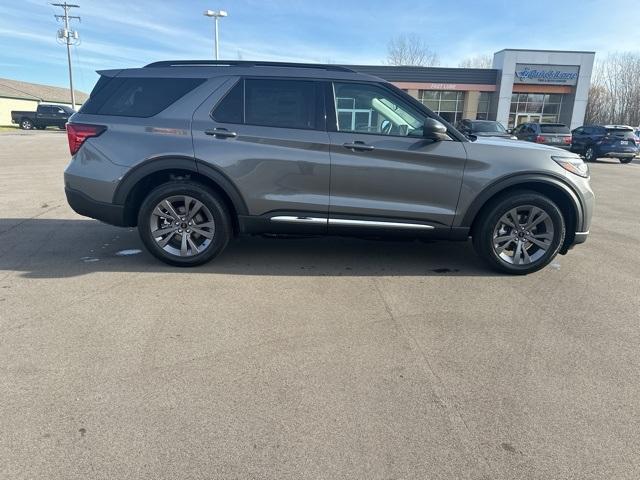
<point x="216" y="15"/>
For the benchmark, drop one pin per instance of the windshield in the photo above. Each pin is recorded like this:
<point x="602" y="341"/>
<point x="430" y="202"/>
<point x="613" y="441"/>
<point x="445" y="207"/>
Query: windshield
<point x="554" y="128"/>
<point x="487" y="127"/>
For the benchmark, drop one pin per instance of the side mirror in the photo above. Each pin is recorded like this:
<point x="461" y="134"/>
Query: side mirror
<point x="434" y="130"/>
<point x="509" y="130"/>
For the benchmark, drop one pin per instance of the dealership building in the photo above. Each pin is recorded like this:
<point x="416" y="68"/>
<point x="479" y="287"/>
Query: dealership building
<point x="522" y="86"/>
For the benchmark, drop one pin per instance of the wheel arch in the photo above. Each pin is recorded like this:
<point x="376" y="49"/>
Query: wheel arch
<point x="138" y="182"/>
<point x="563" y="195"/>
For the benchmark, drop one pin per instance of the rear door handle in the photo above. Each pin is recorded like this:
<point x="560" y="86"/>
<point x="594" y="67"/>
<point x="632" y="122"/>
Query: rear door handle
<point x="359" y="146"/>
<point x="221" y="133"/>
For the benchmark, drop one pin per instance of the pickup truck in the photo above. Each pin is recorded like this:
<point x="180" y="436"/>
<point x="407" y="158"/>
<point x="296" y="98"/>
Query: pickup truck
<point x="45" y="116"/>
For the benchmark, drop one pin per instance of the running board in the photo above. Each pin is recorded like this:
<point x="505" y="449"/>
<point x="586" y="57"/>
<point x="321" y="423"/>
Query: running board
<point x="350" y="223"/>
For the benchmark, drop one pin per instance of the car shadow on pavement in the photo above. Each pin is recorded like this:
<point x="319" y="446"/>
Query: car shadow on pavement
<point x="58" y="248"/>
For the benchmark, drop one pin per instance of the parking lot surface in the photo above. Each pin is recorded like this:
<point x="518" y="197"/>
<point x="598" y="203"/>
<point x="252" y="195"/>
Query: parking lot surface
<point x="310" y="358"/>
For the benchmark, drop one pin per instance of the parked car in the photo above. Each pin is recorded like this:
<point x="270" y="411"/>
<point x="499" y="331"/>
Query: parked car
<point x="613" y="141"/>
<point x="483" y="128"/>
<point x="45" y="116"/>
<point x="553" y="134"/>
<point x="195" y="152"/>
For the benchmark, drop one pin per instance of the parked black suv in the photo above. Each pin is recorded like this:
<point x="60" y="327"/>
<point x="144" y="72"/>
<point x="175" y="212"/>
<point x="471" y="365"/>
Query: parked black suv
<point x="195" y="152"/>
<point x="613" y="141"/>
<point x="552" y="134"/>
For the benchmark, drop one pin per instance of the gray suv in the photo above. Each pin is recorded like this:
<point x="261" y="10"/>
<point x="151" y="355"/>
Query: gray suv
<point x="196" y="152"/>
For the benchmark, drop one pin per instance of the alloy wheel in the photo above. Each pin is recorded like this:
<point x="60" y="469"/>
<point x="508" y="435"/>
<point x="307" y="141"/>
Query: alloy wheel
<point x="589" y="154"/>
<point x="523" y="235"/>
<point x="182" y="226"/>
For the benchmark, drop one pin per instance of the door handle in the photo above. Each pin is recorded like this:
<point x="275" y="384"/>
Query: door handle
<point x="359" y="146"/>
<point x="221" y="133"/>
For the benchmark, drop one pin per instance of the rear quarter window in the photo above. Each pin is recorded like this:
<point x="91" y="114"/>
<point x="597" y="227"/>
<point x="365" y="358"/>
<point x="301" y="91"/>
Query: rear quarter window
<point x="137" y="97"/>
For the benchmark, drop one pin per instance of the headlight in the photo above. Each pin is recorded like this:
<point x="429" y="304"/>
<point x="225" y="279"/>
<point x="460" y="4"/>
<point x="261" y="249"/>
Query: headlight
<point x="574" y="165"/>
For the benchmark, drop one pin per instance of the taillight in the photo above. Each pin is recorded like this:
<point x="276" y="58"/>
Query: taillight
<point x="540" y="139"/>
<point x="567" y="140"/>
<point x="77" y="133"/>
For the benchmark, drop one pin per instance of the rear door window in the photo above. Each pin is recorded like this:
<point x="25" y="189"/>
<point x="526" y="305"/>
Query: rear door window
<point x="230" y="108"/>
<point x="138" y="97"/>
<point x="282" y="103"/>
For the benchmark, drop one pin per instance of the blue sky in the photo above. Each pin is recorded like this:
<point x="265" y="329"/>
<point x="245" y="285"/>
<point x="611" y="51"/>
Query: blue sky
<point x="131" y="33"/>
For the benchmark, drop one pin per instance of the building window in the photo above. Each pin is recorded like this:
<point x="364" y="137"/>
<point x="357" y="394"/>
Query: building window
<point x="535" y="107"/>
<point x="447" y="104"/>
<point x="484" y="102"/>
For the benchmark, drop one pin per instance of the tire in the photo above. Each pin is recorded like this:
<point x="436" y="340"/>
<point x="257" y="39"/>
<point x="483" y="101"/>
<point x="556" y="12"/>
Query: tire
<point x="62" y="127"/>
<point x="26" y="124"/>
<point x="497" y="243"/>
<point x="625" y="159"/>
<point x="590" y="154"/>
<point x="185" y="244"/>
<point x="40" y="128"/>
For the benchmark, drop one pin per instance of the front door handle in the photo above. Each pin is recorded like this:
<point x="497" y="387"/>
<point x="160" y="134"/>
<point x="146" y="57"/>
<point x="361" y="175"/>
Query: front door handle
<point x="359" y="146"/>
<point x="221" y="133"/>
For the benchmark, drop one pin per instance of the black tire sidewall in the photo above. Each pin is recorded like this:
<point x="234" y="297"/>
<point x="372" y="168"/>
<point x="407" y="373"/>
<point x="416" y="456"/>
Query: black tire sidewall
<point x="594" y="154"/>
<point x="626" y="160"/>
<point x="209" y="198"/>
<point x="483" y="240"/>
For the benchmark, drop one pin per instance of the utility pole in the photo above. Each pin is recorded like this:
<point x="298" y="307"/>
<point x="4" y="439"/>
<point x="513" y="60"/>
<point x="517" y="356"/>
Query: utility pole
<point x="70" y="37"/>
<point x="216" y="15"/>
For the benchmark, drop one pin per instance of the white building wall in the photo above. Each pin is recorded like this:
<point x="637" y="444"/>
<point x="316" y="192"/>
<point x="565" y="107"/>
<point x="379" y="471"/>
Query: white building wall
<point x="8" y="104"/>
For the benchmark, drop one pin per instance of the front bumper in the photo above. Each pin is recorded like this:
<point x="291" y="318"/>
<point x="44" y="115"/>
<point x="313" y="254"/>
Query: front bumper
<point x="88" y="207"/>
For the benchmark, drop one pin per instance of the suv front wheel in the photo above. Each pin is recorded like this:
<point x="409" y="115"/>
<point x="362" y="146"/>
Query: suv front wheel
<point x="520" y="233"/>
<point x="184" y="223"/>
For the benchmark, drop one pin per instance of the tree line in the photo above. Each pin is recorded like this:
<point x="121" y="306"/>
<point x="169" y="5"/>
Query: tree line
<point x="614" y="95"/>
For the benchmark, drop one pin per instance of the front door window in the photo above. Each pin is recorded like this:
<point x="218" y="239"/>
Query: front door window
<point x="365" y="108"/>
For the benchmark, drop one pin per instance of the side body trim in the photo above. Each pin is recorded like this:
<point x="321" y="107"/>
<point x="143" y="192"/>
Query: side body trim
<point x="371" y="223"/>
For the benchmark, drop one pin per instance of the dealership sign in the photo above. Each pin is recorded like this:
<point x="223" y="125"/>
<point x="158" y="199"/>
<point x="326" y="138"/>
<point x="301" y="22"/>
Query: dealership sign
<point x="547" y="74"/>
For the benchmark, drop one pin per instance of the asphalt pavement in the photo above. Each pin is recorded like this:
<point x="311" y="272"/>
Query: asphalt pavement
<point x="310" y="358"/>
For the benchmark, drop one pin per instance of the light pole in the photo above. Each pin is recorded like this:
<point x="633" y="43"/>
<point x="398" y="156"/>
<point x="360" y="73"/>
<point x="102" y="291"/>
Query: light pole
<point x="216" y="15"/>
<point x="70" y="37"/>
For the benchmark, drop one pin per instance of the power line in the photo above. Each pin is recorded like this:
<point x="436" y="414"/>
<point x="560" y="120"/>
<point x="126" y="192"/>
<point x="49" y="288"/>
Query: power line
<point x="70" y="37"/>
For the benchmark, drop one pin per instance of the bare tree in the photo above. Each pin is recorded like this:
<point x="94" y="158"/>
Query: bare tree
<point x="614" y="96"/>
<point x="411" y="50"/>
<point x="479" y="61"/>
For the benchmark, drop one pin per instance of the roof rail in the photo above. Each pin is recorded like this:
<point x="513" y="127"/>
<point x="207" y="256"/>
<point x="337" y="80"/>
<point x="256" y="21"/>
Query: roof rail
<point x="244" y="63"/>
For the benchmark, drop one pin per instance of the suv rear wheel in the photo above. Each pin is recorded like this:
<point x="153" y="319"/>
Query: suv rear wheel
<point x="26" y="124"/>
<point x="625" y="159"/>
<point x="520" y="233"/>
<point x="184" y="223"/>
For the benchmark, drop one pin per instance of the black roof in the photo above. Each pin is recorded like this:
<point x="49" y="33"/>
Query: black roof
<point x="478" y="76"/>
